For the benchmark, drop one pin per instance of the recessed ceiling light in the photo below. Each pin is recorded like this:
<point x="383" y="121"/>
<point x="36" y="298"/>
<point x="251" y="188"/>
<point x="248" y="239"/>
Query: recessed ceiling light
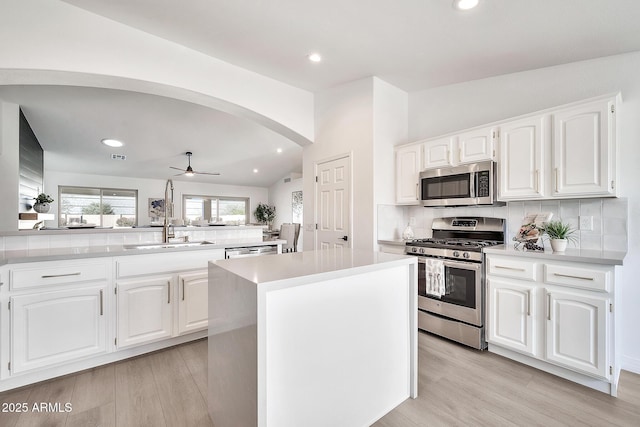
<point x="112" y="142"/>
<point x="279" y="150"/>
<point x="465" y="4"/>
<point x="255" y="171"/>
<point x="314" y="57"/>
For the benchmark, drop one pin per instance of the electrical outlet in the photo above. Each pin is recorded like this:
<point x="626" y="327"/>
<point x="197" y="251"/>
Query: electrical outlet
<point x="412" y="221"/>
<point x="586" y="223"/>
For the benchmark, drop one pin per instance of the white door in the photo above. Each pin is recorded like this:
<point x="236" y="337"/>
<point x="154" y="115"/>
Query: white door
<point x="576" y="332"/>
<point x="144" y="310"/>
<point x="193" y="303"/>
<point x="511" y="315"/>
<point x="333" y="206"/>
<point x="476" y="146"/>
<point x="54" y="327"/>
<point x="583" y="150"/>
<point x="437" y="153"/>
<point x="407" y="170"/>
<point x="521" y="168"/>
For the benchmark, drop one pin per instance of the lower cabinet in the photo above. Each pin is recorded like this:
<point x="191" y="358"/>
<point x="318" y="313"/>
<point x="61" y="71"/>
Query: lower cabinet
<point x="144" y="310"/>
<point x="569" y="325"/>
<point x="54" y="327"/>
<point x="193" y="304"/>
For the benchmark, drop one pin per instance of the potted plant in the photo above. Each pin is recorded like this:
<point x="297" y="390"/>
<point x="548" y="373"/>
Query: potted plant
<point x="42" y="203"/>
<point x="265" y="214"/>
<point x="559" y="234"/>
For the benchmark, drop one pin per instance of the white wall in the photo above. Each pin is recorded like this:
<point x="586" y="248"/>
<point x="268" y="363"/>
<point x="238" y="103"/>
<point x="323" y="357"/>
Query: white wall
<point x="9" y="162"/>
<point x="344" y="125"/>
<point x="280" y="196"/>
<point x="150" y="188"/>
<point x="51" y="40"/>
<point x="450" y="108"/>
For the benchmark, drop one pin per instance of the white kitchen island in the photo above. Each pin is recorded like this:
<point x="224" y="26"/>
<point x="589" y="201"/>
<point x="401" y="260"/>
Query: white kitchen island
<point x="318" y="338"/>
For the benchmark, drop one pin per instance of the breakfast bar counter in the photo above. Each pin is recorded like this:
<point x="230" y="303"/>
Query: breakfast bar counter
<point x="312" y="338"/>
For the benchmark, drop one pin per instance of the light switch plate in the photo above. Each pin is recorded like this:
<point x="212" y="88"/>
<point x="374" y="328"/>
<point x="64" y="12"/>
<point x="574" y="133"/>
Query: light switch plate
<point x="586" y="223"/>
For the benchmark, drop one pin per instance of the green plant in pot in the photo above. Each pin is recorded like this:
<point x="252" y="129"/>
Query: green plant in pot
<point x="42" y="203"/>
<point x="265" y="214"/>
<point x="559" y="233"/>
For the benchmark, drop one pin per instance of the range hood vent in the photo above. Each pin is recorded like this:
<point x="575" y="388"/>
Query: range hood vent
<point x="293" y="176"/>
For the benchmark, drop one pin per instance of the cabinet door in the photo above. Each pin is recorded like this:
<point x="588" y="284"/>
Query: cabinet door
<point x="407" y="170"/>
<point x="438" y="153"/>
<point x="193" y="303"/>
<point x="511" y="317"/>
<point x="476" y="146"/>
<point x="521" y="168"/>
<point x="577" y="332"/>
<point x="584" y="150"/>
<point x="54" y="327"/>
<point x="144" y="310"/>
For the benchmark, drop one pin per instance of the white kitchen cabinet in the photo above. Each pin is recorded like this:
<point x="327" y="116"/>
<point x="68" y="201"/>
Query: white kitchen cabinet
<point x="577" y="331"/>
<point x="55" y="327"/>
<point x="145" y="310"/>
<point x="554" y="315"/>
<point x="584" y="150"/>
<point x="193" y="309"/>
<point x="521" y="165"/>
<point x="438" y="152"/>
<point x="512" y="311"/>
<point x="476" y="145"/>
<point x="408" y="166"/>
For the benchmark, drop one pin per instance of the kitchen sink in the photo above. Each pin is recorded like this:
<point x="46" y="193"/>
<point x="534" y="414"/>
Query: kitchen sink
<point x="168" y="245"/>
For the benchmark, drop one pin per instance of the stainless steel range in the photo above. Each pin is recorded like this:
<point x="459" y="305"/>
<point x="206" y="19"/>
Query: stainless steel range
<point x="451" y="285"/>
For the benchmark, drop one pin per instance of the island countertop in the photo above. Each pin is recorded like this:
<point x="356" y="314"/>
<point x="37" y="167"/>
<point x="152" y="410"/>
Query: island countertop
<point x="298" y="265"/>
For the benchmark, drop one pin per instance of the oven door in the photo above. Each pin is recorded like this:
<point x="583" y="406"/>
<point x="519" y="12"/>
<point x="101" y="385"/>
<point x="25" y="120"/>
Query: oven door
<point x="463" y="300"/>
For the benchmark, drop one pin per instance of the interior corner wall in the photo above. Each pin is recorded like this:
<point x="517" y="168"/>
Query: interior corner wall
<point x="390" y="128"/>
<point x="343" y="125"/>
<point x="447" y="109"/>
<point x="9" y="161"/>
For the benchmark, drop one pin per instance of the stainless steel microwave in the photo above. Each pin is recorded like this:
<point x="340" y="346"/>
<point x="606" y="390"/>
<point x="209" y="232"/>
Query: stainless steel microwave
<point x="464" y="185"/>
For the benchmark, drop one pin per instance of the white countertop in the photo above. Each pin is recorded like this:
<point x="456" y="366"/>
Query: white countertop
<point x="573" y="255"/>
<point x="138" y="229"/>
<point x="395" y="242"/>
<point x="310" y="264"/>
<point x="56" y="254"/>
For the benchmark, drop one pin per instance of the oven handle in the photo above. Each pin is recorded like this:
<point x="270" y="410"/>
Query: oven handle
<point x="456" y="264"/>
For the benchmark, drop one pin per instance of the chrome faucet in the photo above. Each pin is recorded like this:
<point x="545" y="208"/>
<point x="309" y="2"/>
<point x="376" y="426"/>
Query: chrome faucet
<point x="167" y="228"/>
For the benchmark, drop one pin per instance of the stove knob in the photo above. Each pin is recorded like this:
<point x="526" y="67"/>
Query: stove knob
<point x="421" y="250"/>
<point x="414" y="249"/>
<point x="466" y="254"/>
<point x="456" y="254"/>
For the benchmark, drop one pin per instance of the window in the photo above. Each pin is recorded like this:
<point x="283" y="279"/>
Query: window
<point x="230" y="210"/>
<point x="105" y="207"/>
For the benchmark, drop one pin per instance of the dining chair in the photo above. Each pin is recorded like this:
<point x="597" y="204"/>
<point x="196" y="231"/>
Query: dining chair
<point x="288" y="233"/>
<point x="296" y="237"/>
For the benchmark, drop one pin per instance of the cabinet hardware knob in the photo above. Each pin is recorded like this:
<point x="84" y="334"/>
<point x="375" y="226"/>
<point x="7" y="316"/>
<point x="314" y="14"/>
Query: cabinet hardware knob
<point x="573" y="277"/>
<point x="182" y="289"/>
<point x="528" y="303"/>
<point x="548" y="306"/>
<point x="101" y="302"/>
<point x="510" y="268"/>
<point x="49" y="276"/>
<point x="168" y="292"/>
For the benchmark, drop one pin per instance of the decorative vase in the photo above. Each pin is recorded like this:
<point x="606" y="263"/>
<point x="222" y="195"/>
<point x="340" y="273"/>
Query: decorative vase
<point x="558" y="245"/>
<point x="41" y="207"/>
<point x="407" y="234"/>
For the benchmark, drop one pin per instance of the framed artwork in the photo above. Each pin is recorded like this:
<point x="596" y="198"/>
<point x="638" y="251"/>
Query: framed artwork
<point x="296" y="207"/>
<point x="156" y="208"/>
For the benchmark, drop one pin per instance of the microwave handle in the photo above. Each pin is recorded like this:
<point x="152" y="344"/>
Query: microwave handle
<point x="472" y="184"/>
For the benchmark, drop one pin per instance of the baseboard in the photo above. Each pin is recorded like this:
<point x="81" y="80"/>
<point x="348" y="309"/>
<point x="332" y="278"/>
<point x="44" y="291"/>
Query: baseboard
<point x="631" y="364"/>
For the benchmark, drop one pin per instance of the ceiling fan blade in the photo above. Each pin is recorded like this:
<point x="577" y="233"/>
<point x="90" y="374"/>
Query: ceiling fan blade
<point x="179" y="169"/>
<point x="207" y="173"/>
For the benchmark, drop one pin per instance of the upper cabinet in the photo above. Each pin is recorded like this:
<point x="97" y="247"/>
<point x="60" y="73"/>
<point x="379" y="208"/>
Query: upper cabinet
<point x="584" y="150"/>
<point x="467" y="147"/>
<point x="408" y="166"/>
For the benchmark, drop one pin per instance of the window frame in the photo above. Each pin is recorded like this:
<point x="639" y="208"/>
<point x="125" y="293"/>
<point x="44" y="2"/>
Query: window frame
<point x="246" y="200"/>
<point x="102" y="191"/>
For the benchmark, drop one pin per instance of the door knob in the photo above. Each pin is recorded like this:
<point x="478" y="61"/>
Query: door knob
<point x="345" y="238"/>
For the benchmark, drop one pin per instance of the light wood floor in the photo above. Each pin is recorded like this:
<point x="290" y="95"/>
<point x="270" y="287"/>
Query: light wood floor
<point x="457" y="387"/>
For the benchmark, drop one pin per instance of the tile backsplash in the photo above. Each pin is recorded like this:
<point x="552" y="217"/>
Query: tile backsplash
<point x="608" y="231"/>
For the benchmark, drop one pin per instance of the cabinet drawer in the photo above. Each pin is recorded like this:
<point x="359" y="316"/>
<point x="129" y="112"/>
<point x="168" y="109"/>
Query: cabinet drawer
<point x="137" y="265"/>
<point x="578" y="277"/>
<point x="515" y="268"/>
<point x="48" y="273"/>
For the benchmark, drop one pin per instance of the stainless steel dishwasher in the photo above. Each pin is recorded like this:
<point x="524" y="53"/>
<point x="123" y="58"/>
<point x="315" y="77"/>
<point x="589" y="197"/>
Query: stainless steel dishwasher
<point x="250" y="251"/>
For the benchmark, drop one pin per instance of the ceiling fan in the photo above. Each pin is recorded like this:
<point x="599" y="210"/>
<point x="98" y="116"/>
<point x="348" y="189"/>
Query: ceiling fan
<point x="189" y="170"/>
